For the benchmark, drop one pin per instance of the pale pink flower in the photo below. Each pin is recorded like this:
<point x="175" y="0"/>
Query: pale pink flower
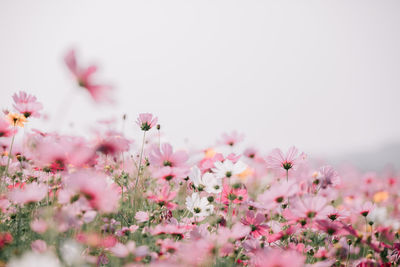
<point x="39" y="226"/>
<point x="84" y="77"/>
<point x="328" y="177"/>
<point x="39" y="246"/>
<point x="232" y="138"/>
<point x="113" y="143"/>
<point x="142" y="216"/>
<point x="166" y="157"/>
<point x="101" y="194"/>
<point x="365" y="208"/>
<point x="277" y="257"/>
<point x="277" y="160"/>
<point x="29" y="193"/>
<point x="310" y="207"/>
<point x="146" y="121"/>
<point x="27" y="104"/>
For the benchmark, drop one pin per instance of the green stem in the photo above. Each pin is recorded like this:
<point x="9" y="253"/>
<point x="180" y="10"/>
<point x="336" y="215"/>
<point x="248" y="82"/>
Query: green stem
<point x="138" y="172"/>
<point x="10" y="152"/>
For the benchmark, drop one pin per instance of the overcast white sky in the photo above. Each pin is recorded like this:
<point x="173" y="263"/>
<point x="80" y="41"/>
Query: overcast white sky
<point x="322" y="75"/>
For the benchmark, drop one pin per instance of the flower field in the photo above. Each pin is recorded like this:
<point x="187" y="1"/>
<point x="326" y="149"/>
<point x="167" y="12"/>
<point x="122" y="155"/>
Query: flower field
<point x="122" y="200"/>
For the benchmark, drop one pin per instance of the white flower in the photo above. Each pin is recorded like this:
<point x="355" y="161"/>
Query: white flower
<point x="207" y="181"/>
<point x="228" y="168"/>
<point x="71" y="252"/>
<point x="33" y="259"/>
<point x="200" y="207"/>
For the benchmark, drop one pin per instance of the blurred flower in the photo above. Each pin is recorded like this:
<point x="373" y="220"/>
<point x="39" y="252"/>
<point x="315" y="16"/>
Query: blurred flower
<point x="33" y="259"/>
<point x="5" y="129"/>
<point x="232" y="138"/>
<point x="33" y="192"/>
<point x="16" y="119"/>
<point x="84" y="77"/>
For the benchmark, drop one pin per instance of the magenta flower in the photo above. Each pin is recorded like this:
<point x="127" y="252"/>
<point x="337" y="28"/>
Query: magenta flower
<point x="84" y="77"/>
<point x="255" y="221"/>
<point x="146" y="121"/>
<point x="27" y="104"/>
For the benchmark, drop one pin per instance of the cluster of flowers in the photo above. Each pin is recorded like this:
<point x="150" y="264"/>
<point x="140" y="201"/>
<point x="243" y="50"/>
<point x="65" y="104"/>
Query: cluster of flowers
<point x="70" y="201"/>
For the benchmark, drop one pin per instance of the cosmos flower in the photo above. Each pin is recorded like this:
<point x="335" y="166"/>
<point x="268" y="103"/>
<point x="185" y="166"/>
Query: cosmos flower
<point x="277" y="160"/>
<point x="5" y="129"/>
<point x="228" y="169"/>
<point x="207" y="182"/>
<point x="232" y="138"/>
<point x="95" y="188"/>
<point x="327" y="176"/>
<point x="164" y="197"/>
<point x="256" y="223"/>
<point x="16" y="119"/>
<point x="30" y="193"/>
<point x="27" y="104"/>
<point x="84" y="77"/>
<point x="199" y="206"/>
<point x="165" y="156"/>
<point x="146" y="121"/>
<point x="277" y="257"/>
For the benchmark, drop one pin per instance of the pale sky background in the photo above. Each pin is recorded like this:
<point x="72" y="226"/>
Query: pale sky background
<point x="322" y="75"/>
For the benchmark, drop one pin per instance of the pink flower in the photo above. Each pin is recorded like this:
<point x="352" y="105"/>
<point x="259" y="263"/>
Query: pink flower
<point x="164" y="197"/>
<point x="232" y="138"/>
<point x="112" y="144"/>
<point x="27" y="104"/>
<point x="101" y="194"/>
<point x="328" y="177"/>
<point x="142" y="216"/>
<point x="29" y="193"/>
<point x="39" y="246"/>
<point x="255" y="221"/>
<point x="169" y="173"/>
<point x="39" y="226"/>
<point x="146" y="121"/>
<point x="277" y="195"/>
<point x="234" y="195"/>
<point x="330" y="227"/>
<point x="365" y="208"/>
<point x="5" y="128"/>
<point x="84" y="77"/>
<point x="166" y="157"/>
<point x="310" y="207"/>
<point x="277" y="257"/>
<point x="277" y="160"/>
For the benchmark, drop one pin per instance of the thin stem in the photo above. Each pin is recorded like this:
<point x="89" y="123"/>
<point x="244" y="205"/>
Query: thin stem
<point x="10" y="152"/>
<point x="287" y="175"/>
<point x="138" y="172"/>
<point x="348" y="257"/>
